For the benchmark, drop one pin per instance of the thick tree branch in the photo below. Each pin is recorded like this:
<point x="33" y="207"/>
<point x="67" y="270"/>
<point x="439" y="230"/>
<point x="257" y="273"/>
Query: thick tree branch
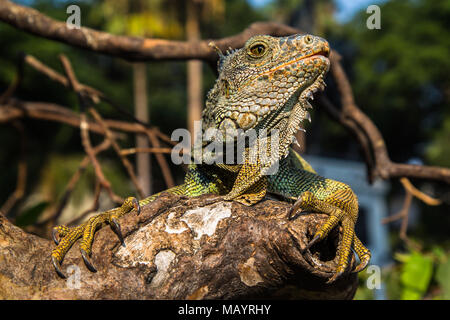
<point x="180" y="248"/>
<point x="130" y="48"/>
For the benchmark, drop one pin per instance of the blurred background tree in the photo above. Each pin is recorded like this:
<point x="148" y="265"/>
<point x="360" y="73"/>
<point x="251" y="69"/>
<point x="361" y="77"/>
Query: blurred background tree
<point x="400" y="76"/>
<point x="141" y="18"/>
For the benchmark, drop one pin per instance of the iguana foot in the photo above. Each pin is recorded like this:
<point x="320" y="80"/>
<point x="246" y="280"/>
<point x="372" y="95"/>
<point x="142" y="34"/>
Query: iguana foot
<point x="342" y="207"/>
<point x="86" y="231"/>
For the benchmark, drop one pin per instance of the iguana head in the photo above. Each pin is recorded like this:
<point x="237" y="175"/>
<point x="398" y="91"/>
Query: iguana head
<point x="262" y="84"/>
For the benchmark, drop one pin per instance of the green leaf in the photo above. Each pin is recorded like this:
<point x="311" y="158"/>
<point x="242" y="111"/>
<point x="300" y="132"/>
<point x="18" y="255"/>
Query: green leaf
<point x="416" y="276"/>
<point x="30" y="215"/>
<point x="443" y="278"/>
<point x="439" y="252"/>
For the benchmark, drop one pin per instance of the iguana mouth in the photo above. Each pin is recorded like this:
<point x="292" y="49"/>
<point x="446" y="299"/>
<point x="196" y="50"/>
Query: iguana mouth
<point x="297" y="110"/>
<point x="322" y="52"/>
<point x="305" y="93"/>
<point x="289" y="117"/>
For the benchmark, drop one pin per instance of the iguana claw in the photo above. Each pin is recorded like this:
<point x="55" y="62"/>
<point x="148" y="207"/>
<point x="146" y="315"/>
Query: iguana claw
<point x="136" y="205"/>
<point x="57" y="266"/>
<point x="336" y="276"/>
<point x="87" y="261"/>
<point x="312" y="242"/>
<point x="116" y="227"/>
<point x="54" y="233"/>
<point x="86" y="231"/>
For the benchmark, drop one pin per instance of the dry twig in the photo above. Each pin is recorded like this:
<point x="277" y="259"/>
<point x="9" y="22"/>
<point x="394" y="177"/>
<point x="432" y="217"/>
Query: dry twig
<point x="85" y="133"/>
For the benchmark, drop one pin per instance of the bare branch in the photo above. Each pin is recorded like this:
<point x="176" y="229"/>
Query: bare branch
<point x="130" y="48"/>
<point x="73" y="182"/>
<point x="94" y="206"/>
<point x="161" y="160"/>
<point x="381" y="166"/>
<point x="86" y="142"/>
<point x="127" y="164"/>
<point x="17" y="109"/>
<point x="419" y="194"/>
<point x="127" y="152"/>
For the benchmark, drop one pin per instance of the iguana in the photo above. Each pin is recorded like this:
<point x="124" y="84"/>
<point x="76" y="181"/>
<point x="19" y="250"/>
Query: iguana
<point x="264" y="85"/>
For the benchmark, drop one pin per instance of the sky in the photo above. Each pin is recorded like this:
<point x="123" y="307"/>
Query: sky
<point x="345" y="8"/>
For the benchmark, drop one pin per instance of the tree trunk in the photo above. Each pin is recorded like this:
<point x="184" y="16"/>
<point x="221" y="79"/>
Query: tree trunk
<point x="194" y="69"/>
<point x="143" y="164"/>
<point x="183" y="248"/>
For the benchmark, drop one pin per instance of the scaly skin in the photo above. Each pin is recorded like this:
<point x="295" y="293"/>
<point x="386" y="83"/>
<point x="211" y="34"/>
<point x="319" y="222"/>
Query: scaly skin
<point x="265" y="85"/>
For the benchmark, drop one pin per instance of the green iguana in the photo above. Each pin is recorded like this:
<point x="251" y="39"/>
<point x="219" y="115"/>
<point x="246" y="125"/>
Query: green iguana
<point x="264" y="85"/>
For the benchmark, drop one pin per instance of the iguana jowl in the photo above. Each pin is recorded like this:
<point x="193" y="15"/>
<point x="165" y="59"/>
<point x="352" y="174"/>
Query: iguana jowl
<point x="264" y="85"/>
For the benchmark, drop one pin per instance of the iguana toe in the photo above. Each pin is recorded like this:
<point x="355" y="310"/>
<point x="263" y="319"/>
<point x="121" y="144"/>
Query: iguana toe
<point x="86" y="231"/>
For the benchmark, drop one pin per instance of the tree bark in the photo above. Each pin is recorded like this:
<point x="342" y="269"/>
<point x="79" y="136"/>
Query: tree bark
<point x="183" y="248"/>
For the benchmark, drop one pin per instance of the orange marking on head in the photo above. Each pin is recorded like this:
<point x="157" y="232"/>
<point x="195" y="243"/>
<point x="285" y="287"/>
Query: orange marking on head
<point x="271" y="71"/>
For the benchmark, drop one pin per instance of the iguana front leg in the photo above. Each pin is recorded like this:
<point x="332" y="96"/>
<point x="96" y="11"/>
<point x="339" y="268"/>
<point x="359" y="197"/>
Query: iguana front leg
<point x="318" y="194"/>
<point x="250" y="186"/>
<point x="342" y="207"/>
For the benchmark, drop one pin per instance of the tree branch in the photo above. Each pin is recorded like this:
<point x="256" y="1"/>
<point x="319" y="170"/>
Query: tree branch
<point x="180" y="248"/>
<point x="18" y="109"/>
<point x="129" y="48"/>
<point x="381" y="166"/>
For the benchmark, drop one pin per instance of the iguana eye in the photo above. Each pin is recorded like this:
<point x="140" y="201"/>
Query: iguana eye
<point x="308" y="39"/>
<point x="257" y="50"/>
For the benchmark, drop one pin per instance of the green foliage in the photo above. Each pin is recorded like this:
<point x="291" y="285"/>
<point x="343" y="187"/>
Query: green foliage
<point x="31" y="215"/>
<point x="401" y="70"/>
<point x="438" y="152"/>
<point x="443" y="278"/>
<point x="140" y="18"/>
<point x="415" y="275"/>
<point x="363" y="292"/>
